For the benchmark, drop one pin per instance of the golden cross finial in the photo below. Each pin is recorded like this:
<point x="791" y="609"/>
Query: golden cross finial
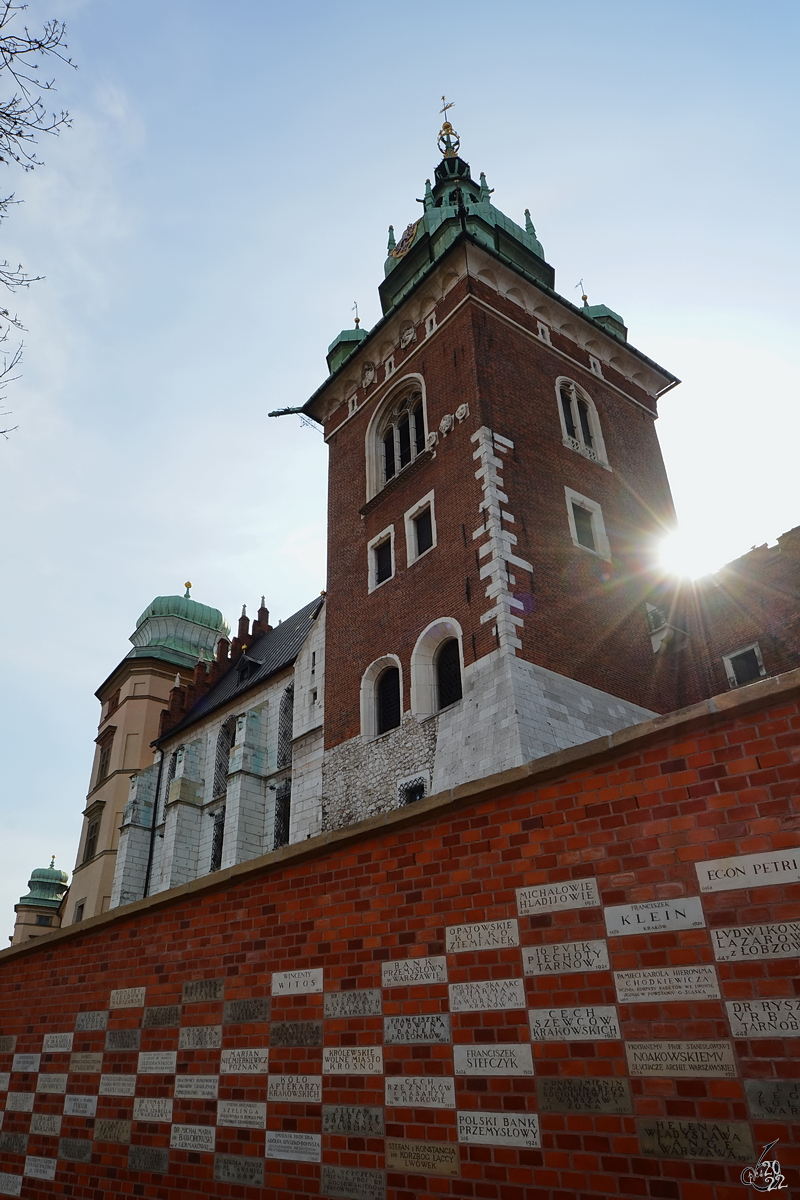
<point x="445" y="105"/>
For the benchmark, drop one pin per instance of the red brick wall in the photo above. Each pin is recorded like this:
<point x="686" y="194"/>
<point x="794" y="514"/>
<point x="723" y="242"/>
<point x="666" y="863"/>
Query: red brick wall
<point x="636" y="818"/>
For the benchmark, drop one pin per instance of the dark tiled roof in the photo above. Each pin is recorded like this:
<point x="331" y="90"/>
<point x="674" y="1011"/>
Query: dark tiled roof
<point x="271" y="653"/>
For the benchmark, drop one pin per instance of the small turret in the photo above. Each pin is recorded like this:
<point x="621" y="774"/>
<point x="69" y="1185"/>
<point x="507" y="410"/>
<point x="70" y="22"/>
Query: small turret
<point x="38" y="911"/>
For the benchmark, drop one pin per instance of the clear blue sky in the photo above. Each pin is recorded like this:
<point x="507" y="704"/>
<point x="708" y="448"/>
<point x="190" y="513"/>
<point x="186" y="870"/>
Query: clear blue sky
<point x="221" y="201"/>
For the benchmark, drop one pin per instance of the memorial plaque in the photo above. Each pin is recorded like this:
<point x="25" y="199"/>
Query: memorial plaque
<point x="8" y="1043"/>
<point x="757" y="941"/>
<point x="352" y="1060"/>
<point x="112" y="1131"/>
<point x="499" y="1129"/>
<point x="80" y="1106"/>
<point x="242" y="1114"/>
<point x="52" y="1083"/>
<point x="56" y="1043"/>
<point x="414" y="972"/>
<point x="571" y="893"/>
<point x="152" y="1108"/>
<point x="416" y="1028"/>
<point x="486" y="995"/>
<point x="563" y="1094"/>
<point x="432" y="1158"/>
<point x="487" y="935"/>
<point x="726" y="1140"/>
<point x="352" y="1183"/>
<point x="13" y="1143"/>
<point x="714" y="1060"/>
<point x="75" y="1149"/>
<point x="26" y="1063"/>
<point x="196" y="1087"/>
<point x="162" y="1016"/>
<point x="769" y="868"/>
<point x="122" y="1039"/>
<point x="200" y="1037"/>
<point x="655" y="916"/>
<point x="85" y="1063"/>
<point x="201" y="1138"/>
<point x="5" y="1079"/>
<point x="595" y="1023"/>
<point x="117" y="1085"/>
<point x="667" y="983"/>
<point x="10" y="1185"/>
<point x="132" y="997"/>
<point x="352" y="1119"/>
<point x="40" y="1168"/>
<point x="198" y="991"/>
<point x="420" y="1091"/>
<point x="87" y="1021"/>
<point x="297" y="983"/>
<point x="300" y="1147"/>
<point x="295" y="1033"/>
<point x="157" y="1062"/>
<point x="507" y="1058"/>
<point x="764" y="1018"/>
<point x="235" y="1168"/>
<point x="773" y="1099"/>
<point x="245" y="1012"/>
<point x="365" y="1002"/>
<point x="565" y="958"/>
<point x="19" y="1102"/>
<point x="295" y="1089"/>
<point x="252" y="1060"/>
<point x="46" y="1124"/>
<point x="148" y="1158"/>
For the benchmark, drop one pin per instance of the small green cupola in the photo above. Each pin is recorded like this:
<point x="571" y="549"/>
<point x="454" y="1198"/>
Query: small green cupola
<point x="47" y="887"/>
<point x="606" y="317"/>
<point x="178" y="630"/>
<point x="344" y="344"/>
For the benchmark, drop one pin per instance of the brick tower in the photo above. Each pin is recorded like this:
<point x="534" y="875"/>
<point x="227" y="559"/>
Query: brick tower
<point x="496" y="491"/>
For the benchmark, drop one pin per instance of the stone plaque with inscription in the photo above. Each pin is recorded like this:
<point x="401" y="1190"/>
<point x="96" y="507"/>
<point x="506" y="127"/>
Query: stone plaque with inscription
<point x="196" y="1087"/>
<point x="655" y="916"/>
<point x="85" y="1063"/>
<point x="565" y="958"/>
<point x="249" y="1060"/>
<point x="300" y="1147"/>
<point x="295" y="1089"/>
<point x="572" y="893"/>
<point x="297" y="983"/>
<point x="764" y="1018"/>
<point x="714" y="1060"/>
<point x="80" y="1106"/>
<point x="75" y="1149"/>
<point x="245" y="1012"/>
<point x="112" y="1131"/>
<point x="667" y="983"/>
<point x="235" y="1168"/>
<point x="487" y="935"/>
<point x="242" y="1114"/>
<point x="57" y="1043"/>
<point x="416" y="1028"/>
<point x="353" y="1183"/>
<point x="773" y="1099"/>
<point x="352" y="1119"/>
<point x="19" y="1102"/>
<point x="8" y="1043"/>
<point x="766" y="869"/>
<point x="132" y="997"/>
<point x="363" y="1002"/>
<point x="26" y="1063"/>
<point x="46" y="1124"/>
<point x="117" y="1085"/>
<point x="743" y="942"/>
<point x="563" y="1094"/>
<point x="40" y="1168"/>
<point x="432" y="1158"/>
<point x="152" y="1108"/>
<point x="499" y="1129"/>
<point x="420" y="1091"/>
<point x="200" y="1037"/>
<point x="729" y="1141"/>
<point x="87" y="1021"/>
<point x="162" y="1016"/>
<point x="55" y="1084"/>
<point x="122" y="1039"/>
<point x="352" y="1060"/>
<point x="199" y="991"/>
<point x="10" y="1185"/>
<point x="295" y="1033"/>
<point x="201" y="1138"/>
<point x="486" y="995"/>
<point x="507" y="1058"/>
<point x="414" y="972"/>
<point x="149" y="1158"/>
<point x="584" y="1024"/>
<point x="13" y="1143"/>
<point x="157" y="1062"/>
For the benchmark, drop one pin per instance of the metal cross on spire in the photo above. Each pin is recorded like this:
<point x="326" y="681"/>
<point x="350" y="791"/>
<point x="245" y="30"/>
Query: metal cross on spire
<point x="445" y="105"/>
<point x="448" y="140"/>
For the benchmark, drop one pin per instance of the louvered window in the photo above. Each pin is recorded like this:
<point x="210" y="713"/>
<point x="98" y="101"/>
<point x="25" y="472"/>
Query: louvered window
<point x="283" y="812"/>
<point x="285" y="723"/>
<point x="225" y="739"/>
<point x="388" y="700"/>
<point x="217" y="839"/>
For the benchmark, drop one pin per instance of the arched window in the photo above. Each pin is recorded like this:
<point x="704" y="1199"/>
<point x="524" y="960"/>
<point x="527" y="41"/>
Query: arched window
<point x="401" y="436"/>
<point x="381" y="696"/>
<point x="285" y="727"/>
<point x="580" y="424"/>
<point x="225" y="739"/>
<point x="387" y="700"/>
<point x="448" y="673"/>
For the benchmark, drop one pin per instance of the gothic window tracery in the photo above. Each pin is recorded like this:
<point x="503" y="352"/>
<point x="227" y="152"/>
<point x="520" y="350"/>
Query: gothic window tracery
<point x="402" y="436"/>
<point x="225" y="739"/>
<point x="580" y="424"/>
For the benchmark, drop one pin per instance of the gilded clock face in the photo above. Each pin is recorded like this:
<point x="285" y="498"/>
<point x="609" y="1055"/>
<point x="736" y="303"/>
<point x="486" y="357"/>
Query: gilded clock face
<point x="406" y="241"/>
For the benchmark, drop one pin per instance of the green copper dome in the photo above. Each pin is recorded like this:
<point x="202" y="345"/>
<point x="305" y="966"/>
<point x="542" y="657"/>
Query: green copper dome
<point x="47" y="887"/>
<point x="179" y="630"/>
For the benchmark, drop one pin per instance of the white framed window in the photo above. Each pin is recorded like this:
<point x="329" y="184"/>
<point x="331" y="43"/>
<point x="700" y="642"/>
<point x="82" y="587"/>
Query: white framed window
<point x="381" y="697"/>
<point x="380" y="556"/>
<point x="595" y="366"/>
<point x="580" y="424"/>
<point x="543" y="331"/>
<point x="420" y="525"/>
<point x="437" y="668"/>
<point x="586" y="525"/>
<point x="389" y="367"/>
<point x="396" y="434"/>
<point x="744" y="665"/>
<point x="430" y="324"/>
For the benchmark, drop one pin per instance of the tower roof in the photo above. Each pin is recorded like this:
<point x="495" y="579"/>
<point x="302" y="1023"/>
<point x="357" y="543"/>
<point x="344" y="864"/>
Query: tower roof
<point x="47" y="886"/>
<point x="179" y="630"/>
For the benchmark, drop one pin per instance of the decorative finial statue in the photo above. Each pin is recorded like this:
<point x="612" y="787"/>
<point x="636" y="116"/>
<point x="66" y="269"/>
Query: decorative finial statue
<point x="188" y="586"/>
<point x="448" y="140"/>
<point x="52" y="862"/>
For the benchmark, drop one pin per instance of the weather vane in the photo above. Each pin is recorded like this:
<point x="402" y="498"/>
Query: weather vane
<point x="584" y="297"/>
<point x="355" y="310"/>
<point x="448" y="140"/>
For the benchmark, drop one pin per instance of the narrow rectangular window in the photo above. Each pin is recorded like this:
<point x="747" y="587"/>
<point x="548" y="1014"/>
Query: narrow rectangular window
<point x="419" y="430"/>
<point x="586" y="429"/>
<point x="388" y="455"/>
<point x="424" y="531"/>
<point x="91" y="840"/>
<point x="404" y="437"/>
<point x="566" y="408"/>
<point x="217" y="839"/>
<point x="78" y="915"/>
<point x="103" y="762"/>
<point x="313" y="662"/>
<point x="383" y="561"/>
<point x="583" y="527"/>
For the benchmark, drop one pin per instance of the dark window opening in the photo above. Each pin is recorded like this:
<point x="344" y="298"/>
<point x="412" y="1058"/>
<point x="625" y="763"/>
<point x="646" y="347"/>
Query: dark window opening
<point x="217" y="838"/>
<point x="388" y="698"/>
<point x="404" y="438"/>
<point x="745" y="666"/>
<point x="412" y="790"/>
<point x="383" y="561"/>
<point x="103" y="762"/>
<point x="419" y="430"/>
<point x="90" y="848"/>
<point x="448" y="673"/>
<point x="586" y="429"/>
<point x="423" y="525"/>
<point x="583" y="526"/>
<point x="225" y="739"/>
<point x="566" y="408"/>
<point x="286" y="727"/>
<point x="388" y="455"/>
<point x="283" y="810"/>
<point x="78" y="914"/>
<point x="40" y="920"/>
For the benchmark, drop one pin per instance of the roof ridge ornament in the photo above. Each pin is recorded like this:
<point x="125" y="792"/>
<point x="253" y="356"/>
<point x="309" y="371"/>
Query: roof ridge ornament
<point x="448" y="141"/>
